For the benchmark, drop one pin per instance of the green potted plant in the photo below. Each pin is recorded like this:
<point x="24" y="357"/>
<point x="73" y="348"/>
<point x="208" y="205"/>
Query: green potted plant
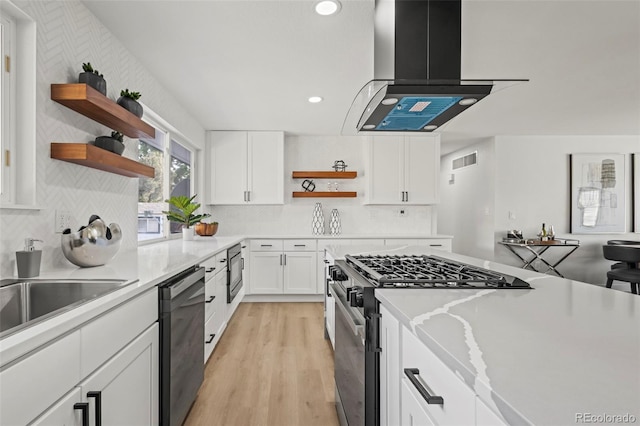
<point x="113" y="143"/>
<point x="129" y="101"/>
<point x="182" y="210"/>
<point x="92" y="78"/>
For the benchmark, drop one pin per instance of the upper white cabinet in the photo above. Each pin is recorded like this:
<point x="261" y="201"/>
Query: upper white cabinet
<point x="403" y="170"/>
<point x="245" y="167"/>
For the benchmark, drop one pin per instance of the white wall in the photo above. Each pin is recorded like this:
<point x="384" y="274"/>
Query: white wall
<point x="466" y="207"/>
<point x="294" y="217"/>
<point x="531" y="180"/>
<point x="68" y="35"/>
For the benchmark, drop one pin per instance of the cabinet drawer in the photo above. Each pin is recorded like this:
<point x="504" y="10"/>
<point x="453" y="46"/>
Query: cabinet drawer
<point x="29" y="387"/>
<point x="105" y="336"/>
<point x="211" y="334"/>
<point x="299" y="245"/>
<point x="266" y="245"/>
<point x="210" y="268"/>
<point x="412" y="409"/>
<point x="458" y="405"/>
<point x="210" y="299"/>
<point x="435" y="243"/>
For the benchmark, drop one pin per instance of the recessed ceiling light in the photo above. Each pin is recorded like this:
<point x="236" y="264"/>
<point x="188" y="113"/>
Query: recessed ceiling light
<point x="430" y="127"/>
<point x="389" y="101"/>
<point x="315" y="99"/>
<point x="369" y="126"/>
<point x="468" y="101"/>
<point x="327" y="7"/>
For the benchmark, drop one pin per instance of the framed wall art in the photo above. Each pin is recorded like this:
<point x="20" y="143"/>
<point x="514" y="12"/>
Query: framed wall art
<point x="598" y="193"/>
<point x="635" y="164"/>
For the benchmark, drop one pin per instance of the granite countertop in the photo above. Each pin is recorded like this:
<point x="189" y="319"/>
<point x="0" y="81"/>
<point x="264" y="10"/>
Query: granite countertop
<point x="540" y="356"/>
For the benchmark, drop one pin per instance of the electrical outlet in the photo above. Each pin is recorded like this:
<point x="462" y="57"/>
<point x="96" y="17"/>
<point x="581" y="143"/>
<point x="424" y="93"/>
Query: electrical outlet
<point x="63" y="220"/>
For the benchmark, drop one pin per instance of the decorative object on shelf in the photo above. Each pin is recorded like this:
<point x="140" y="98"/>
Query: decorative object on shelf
<point x="92" y="245"/>
<point x="339" y="166"/>
<point x="598" y="191"/>
<point x="318" y="220"/>
<point x="206" y="229"/>
<point x="181" y="210"/>
<point x="308" y="185"/>
<point x="113" y="143"/>
<point x="93" y="78"/>
<point x="334" y="225"/>
<point x="129" y="101"/>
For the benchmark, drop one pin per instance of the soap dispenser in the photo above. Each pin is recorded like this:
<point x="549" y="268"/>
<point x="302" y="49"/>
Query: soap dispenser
<point x="29" y="259"/>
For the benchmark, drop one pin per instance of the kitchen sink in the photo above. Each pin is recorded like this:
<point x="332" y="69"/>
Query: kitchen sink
<point x="24" y="302"/>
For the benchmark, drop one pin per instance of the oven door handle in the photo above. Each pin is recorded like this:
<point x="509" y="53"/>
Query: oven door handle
<point x="352" y="320"/>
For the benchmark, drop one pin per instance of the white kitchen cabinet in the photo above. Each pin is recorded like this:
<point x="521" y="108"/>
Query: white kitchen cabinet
<point x="128" y="383"/>
<point x="116" y="353"/>
<point x="486" y="417"/>
<point x="458" y="407"/>
<point x="283" y="267"/>
<point x="389" y="369"/>
<point x="245" y="168"/>
<point x="215" y="301"/>
<point x="413" y="412"/>
<point x="403" y="170"/>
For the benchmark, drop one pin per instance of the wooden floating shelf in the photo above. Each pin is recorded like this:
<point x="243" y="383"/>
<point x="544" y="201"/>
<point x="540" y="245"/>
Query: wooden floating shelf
<point x="87" y="101"/>
<point x="324" y="175"/>
<point x="319" y="194"/>
<point x="98" y="158"/>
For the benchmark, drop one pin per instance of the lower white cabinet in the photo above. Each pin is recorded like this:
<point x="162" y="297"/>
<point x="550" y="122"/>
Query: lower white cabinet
<point x="215" y="303"/>
<point x="389" y="369"/>
<point x="413" y="411"/>
<point x="45" y="386"/>
<point x="283" y="267"/>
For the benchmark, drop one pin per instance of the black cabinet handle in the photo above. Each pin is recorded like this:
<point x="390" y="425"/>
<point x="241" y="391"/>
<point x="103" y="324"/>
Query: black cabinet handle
<point x="210" y="269"/>
<point x="223" y="260"/>
<point x="242" y="263"/>
<point x="84" y="407"/>
<point x="411" y="374"/>
<point x="435" y="245"/>
<point x="266" y="245"/>
<point x="299" y="245"/>
<point x="98" y="396"/>
<point x="211" y="337"/>
<point x="210" y="299"/>
<point x="243" y="247"/>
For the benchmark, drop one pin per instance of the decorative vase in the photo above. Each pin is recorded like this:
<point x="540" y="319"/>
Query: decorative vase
<point x="334" y="224"/>
<point x="109" y="144"/>
<point x="318" y="220"/>
<point x="130" y="105"/>
<point x="93" y="80"/>
<point x="187" y="234"/>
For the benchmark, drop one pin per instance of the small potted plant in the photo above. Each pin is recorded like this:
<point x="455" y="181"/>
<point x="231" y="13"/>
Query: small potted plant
<point x="182" y="209"/>
<point x="93" y="78"/>
<point x="129" y="101"/>
<point x="113" y="143"/>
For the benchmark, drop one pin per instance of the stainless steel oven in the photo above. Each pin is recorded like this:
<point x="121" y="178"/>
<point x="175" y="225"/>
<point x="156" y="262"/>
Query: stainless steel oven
<point x="234" y="271"/>
<point x="181" y="344"/>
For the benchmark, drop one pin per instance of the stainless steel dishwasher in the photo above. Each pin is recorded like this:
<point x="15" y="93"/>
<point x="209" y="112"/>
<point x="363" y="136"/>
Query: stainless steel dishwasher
<point x="181" y="344"/>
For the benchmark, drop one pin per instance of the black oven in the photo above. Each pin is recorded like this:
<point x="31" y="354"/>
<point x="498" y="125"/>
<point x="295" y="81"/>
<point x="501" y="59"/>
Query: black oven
<point x="234" y="271"/>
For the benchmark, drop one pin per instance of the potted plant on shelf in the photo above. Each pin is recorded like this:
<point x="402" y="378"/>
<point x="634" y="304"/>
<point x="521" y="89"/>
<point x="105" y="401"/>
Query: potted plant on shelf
<point x="113" y="143"/>
<point x="93" y="78"/>
<point x="182" y="209"/>
<point x="129" y="101"/>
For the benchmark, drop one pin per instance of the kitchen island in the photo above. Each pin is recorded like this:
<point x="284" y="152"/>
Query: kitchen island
<point x="563" y="352"/>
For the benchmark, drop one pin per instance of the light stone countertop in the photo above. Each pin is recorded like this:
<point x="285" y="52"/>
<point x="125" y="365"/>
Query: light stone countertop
<point x="539" y="356"/>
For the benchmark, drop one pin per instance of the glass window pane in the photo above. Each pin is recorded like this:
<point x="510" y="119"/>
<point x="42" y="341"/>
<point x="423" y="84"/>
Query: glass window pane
<point x="150" y="191"/>
<point x="179" y="175"/>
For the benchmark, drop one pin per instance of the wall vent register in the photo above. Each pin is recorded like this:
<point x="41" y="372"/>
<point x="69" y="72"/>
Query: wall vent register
<point x="464" y="161"/>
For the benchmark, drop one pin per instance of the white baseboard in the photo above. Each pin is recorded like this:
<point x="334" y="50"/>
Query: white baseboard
<point x="282" y="298"/>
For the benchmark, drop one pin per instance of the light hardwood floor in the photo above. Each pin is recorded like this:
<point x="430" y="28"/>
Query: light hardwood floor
<point x="272" y="366"/>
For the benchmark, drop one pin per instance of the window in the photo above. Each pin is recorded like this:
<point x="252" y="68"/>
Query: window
<point x="172" y="159"/>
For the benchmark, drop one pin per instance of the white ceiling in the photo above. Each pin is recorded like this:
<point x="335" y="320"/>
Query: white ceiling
<point x="251" y="65"/>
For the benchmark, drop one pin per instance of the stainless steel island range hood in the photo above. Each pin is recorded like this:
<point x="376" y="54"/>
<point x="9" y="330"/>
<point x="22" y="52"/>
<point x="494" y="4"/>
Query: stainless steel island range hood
<point x="417" y="85"/>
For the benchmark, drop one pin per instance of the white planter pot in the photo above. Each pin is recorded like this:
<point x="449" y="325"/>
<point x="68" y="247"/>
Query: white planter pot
<point x="187" y="234"/>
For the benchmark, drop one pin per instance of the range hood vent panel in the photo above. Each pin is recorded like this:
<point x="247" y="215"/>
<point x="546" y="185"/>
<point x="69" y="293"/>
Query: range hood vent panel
<point x="417" y="59"/>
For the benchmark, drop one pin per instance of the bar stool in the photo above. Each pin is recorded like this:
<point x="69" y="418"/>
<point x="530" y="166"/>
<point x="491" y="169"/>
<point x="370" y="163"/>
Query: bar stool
<point x="629" y="256"/>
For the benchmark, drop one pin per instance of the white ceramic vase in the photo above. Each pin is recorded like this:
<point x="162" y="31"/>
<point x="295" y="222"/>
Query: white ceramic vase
<point x="187" y="234"/>
<point x="318" y="220"/>
<point x="334" y="225"/>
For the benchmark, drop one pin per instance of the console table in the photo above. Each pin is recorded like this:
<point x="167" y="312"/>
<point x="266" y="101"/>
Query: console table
<point x="529" y="251"/>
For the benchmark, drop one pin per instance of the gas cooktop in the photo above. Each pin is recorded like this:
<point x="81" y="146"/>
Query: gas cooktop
<point x="400" y="271"/>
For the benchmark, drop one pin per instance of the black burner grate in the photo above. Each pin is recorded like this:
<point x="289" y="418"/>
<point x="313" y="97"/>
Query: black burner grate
<point x="429" y="272"/>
